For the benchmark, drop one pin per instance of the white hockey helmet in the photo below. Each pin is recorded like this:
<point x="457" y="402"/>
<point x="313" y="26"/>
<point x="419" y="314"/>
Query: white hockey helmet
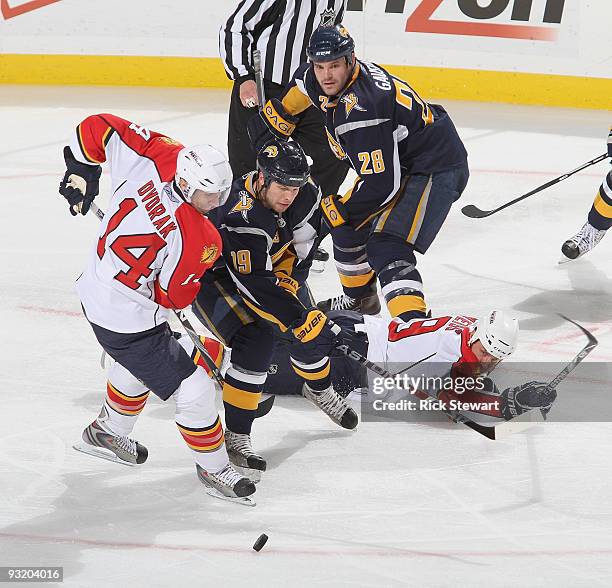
<point x="497" y="332"/>
<point x="202" y="167"/>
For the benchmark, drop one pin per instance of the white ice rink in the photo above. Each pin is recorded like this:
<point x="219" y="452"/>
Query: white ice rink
<point x="389" y="504"/>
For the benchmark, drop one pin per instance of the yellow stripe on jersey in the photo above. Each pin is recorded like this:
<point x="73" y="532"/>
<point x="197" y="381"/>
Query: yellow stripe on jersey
<point x="248" y="184"/>
<point x="265" y="315"/>
<point x="240" y="398"/>
<point x="280" y="252"/>
<point x="348" y="195"/>
<point x="416" y="223"/>
<point x="286" y="263"/>
<point x="106" y="136"/>
<point x="602" y="207"/>
<point x="295" y="102"/>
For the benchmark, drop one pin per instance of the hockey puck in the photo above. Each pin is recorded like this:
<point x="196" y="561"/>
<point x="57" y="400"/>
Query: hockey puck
<point x="261" y="541"/>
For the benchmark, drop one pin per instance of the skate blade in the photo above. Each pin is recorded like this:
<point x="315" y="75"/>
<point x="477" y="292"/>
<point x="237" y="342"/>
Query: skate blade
<point x="250" y="473"/>
<point x="243" y="500"/>
<point x="100" y="452"/>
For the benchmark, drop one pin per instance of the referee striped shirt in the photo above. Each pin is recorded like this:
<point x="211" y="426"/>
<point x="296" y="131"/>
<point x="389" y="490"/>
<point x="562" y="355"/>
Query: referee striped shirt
<point x="280" y="29"/>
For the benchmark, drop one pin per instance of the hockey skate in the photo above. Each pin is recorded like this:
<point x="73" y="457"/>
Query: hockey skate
<point x="369" y="303"/>
<point x="242" y="456"/>
<point x="227" y="484"/>
<point x="319" y="261"/>
<point x="582" y="242"/>
<point x="100" y="441"/>
<point x="333" y="405"/>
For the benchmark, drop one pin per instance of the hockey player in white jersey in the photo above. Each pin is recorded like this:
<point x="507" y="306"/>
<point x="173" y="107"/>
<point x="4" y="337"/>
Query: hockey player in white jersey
<point x="154" y="244"/>
<point x="444" y="348"/>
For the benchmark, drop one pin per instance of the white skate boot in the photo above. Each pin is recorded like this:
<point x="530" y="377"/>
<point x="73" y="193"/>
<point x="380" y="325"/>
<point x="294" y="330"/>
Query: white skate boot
<point x="582" y="242"/>
<point x="227" y="484"/>
<point x="333" y="405"/>
<point x="242" y="456"/>
<point x="100" y="441"/>
<point x="369" y="303"/>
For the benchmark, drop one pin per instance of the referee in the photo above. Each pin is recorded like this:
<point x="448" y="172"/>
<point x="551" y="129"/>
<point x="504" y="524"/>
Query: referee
<point x="280" y="29"/>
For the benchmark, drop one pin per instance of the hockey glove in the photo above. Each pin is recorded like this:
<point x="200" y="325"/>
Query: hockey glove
<point x="334" y="211"/>
<point x="520" y="399"/>
<point x="80" y="184"/>
<point x="314" y="329"/>
<point x="272" y="120"/>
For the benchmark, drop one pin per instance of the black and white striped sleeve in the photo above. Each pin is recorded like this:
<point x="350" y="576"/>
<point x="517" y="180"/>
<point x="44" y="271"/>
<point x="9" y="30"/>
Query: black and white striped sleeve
<point x="237" y="36"/>
<point x="340" y="14"/>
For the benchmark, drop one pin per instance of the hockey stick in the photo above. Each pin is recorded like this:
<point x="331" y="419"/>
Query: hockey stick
<point x="261" y="93"/>
<point x="180" y="315"/>
<point x="571" y="366"/>
<point x="474" y="212"/>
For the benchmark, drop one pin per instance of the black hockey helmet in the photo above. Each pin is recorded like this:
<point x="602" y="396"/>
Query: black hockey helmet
<point x="283" y="162"/>
<point x="329" y="43"/>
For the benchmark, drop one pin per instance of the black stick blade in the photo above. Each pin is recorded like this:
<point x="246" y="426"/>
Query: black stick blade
<point x="475" y="212"/>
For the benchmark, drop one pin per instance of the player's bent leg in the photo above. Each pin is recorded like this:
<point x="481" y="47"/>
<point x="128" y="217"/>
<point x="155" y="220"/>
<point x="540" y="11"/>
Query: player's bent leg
<point x="400" y="282"/>
<point x="252" y="348"/>
<point x="107" y="436"/>
<point x="410" y="225"/>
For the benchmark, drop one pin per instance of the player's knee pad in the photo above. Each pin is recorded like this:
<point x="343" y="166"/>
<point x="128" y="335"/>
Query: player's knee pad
<point x="351" y="259"/>
<point x="400" y="282"/>
<point x="382" y="249"/>
<point x="195" y="400"/>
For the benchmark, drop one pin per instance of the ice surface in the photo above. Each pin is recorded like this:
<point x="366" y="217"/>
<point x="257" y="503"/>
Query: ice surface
<point x="390" y="504"/>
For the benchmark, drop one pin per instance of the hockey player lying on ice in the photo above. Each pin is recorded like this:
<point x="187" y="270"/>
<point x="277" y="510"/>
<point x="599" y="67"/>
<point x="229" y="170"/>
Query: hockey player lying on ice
<point x="450" y="346"/>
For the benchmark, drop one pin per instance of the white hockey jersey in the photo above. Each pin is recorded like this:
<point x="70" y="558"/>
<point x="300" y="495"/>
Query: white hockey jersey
<point x="438" y="344"/>
<point x="152" y="247"/>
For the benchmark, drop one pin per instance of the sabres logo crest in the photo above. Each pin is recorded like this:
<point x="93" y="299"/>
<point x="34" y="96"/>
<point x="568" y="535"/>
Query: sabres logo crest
<point x="352" y="102"/>
<point x="243" y="205"/>
<point x="210" y="254"/>
<point x="271" y="151"/>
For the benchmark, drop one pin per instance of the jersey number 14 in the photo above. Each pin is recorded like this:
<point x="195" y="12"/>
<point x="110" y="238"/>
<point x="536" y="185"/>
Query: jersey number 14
<point x="150" y="245"/>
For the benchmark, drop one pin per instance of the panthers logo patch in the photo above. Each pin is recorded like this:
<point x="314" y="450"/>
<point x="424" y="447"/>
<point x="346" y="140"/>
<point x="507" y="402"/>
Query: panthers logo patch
<point x="168" y="141"/>
<point x="210" y="254"/>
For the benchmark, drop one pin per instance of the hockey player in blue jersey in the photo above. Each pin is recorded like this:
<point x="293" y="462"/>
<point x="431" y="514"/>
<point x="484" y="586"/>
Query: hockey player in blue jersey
<point x="410" y="161"/>
<point x="258" y="290"/>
